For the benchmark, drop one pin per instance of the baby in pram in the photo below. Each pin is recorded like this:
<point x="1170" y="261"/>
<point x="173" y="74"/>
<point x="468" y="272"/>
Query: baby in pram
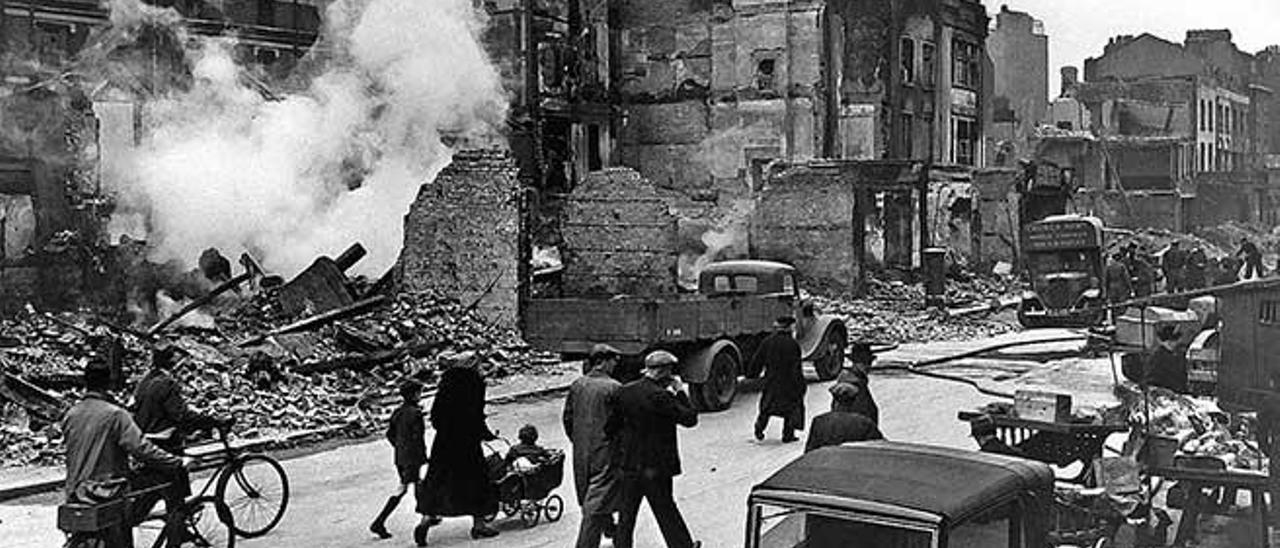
<point x="527" y="456"/>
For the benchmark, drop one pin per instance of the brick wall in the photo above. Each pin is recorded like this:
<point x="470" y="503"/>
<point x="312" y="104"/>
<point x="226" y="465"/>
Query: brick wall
<point x="462" y="233"/>
<point x="619" y="236"/>
<point x="803" y="218"/>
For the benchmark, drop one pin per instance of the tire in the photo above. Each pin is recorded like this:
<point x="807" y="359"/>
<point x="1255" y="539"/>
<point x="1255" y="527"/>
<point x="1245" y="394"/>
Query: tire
<point x="553" y="507"/>
<point x="530" y="513"/>
<point x="256" y="490"/>
<point x="211" y="520"/>
<point x="721" y="386"/>
<point x="828" y="366"/>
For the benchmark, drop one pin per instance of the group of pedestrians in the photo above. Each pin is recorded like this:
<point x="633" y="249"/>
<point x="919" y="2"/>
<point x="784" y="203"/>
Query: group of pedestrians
<point x="1133" y="274"/>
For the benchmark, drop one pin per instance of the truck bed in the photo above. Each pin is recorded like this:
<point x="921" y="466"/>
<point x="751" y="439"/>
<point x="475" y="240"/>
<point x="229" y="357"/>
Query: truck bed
<point x="633" y="325"/>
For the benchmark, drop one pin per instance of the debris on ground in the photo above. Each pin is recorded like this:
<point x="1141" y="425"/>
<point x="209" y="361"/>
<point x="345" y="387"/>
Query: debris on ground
<point x="342" y="373"/>
<point x="1200" y="428"/>
<point x="895" y="312"/>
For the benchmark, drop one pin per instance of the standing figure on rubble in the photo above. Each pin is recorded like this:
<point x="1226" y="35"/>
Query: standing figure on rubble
<point x="1197" y="269"/>
<point x="457" y="481"/>
<point x="784" y="384"/>
<point x="1119" y="282"/>
<point x="405" y="432"/>
<point x="1144" y="275"/>
<point x="1252" y="259"/>
<point x="1173" y="264"/>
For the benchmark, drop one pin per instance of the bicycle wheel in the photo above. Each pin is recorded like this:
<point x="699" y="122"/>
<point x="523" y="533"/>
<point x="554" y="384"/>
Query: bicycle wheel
<point x="211" y="523"/>
<point x="256" y="490"/>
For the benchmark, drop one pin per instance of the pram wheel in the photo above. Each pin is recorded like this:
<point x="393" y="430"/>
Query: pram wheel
<point x="553" y="507"/>
<point x="531" y="513"/>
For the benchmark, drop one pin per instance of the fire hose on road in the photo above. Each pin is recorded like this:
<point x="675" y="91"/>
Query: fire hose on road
<point x="917" y="368"/>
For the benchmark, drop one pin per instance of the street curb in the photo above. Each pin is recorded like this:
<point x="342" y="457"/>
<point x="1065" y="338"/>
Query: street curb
<point x="276" y="443"/>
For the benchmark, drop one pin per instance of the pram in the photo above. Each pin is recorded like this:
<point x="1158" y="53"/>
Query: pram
<point x="527" y="492"/>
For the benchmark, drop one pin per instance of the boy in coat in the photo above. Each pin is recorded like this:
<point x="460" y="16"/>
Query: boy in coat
<point x="405" y="432"/>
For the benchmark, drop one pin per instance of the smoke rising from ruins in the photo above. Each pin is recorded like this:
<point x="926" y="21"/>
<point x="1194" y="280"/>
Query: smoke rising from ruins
<point x="309" y="173"/>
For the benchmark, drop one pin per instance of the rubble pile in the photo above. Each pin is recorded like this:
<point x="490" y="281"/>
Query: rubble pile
<point x="343" y="374"/>
<point x="895" y="312"/>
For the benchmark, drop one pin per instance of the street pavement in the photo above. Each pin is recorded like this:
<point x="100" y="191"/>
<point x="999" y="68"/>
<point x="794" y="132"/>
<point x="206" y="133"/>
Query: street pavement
<point x="336" y="493"/>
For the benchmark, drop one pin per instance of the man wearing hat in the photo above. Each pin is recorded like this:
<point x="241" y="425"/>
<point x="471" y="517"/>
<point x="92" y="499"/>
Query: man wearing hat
<point x="100" y="437"/>
<point x="648" y="458"/>
<point x="590" y="405"/>
<point x="784" y="385"/>
<point x="856" y="373"/>
<point x="842" y="424"/>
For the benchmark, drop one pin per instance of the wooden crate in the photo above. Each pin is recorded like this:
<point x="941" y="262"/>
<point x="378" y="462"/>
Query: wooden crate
<point x="1042" y="406"/>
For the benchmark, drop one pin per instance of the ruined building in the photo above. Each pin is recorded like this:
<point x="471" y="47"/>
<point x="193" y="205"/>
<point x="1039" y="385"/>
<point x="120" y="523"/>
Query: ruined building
<point x="64" y="123"/>
<point x="1019" y="51"/>
<point x="1166" y="134"/>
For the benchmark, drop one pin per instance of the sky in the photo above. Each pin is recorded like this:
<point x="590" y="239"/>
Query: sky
<point x="1079" y="29"/>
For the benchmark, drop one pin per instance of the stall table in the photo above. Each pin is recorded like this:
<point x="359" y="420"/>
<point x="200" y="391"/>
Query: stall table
<point x="1198" y="479"/>
<point x="1059" y="444"/>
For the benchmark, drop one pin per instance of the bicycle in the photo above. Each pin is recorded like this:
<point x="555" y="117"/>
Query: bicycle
<point x="203" y="520"/>
<point x="253" y="486"/>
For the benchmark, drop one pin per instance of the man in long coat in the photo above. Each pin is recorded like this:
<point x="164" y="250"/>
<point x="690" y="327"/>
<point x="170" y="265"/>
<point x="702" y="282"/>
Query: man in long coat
<point x="784" y="385"/>
<point x="648" y="455"/>
<point x="590" y="405"/>
<point x="457" y="481"/>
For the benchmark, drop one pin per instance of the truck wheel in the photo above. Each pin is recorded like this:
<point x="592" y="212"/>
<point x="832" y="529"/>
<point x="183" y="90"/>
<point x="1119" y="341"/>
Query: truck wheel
<point x="828" y="365"/>
<point x="717" y="393"/>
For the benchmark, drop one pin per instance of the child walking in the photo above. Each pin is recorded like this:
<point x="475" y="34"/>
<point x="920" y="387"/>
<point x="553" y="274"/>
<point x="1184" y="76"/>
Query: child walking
<point x="405" y="433"/>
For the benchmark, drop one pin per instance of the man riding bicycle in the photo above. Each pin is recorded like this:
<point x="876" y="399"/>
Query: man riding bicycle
<point x="100" y="436"/>
<point x="161" y="410"/>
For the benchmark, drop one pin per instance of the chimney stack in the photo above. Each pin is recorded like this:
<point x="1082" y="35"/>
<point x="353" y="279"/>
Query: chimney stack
<point x="1070" y="77"/>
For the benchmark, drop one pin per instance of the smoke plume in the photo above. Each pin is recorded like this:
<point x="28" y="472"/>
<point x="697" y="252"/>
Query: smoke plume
<point x="309" y="173"/>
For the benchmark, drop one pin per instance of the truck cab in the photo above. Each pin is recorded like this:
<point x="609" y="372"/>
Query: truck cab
<point x="899" y="495"/>
<point x="1063" y="262"/>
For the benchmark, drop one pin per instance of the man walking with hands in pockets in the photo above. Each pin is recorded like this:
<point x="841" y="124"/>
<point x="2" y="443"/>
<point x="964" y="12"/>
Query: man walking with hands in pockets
<point x="649" y="458"/>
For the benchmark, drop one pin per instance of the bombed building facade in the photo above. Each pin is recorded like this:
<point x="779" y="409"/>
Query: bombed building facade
<point x="1167" y="135"/>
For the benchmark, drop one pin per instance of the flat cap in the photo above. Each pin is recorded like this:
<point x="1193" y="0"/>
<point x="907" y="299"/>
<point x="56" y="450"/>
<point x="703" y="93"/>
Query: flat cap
<point x="660" y="358"/>
<point x="603" y="351"/>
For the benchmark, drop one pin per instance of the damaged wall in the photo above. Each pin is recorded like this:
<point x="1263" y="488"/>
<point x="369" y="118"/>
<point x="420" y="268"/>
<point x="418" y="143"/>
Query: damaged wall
<point x="462" y="234"/>
<point x="804" y="217"/>
<point x="999" y="218"/>
<point x="619" y="236"/>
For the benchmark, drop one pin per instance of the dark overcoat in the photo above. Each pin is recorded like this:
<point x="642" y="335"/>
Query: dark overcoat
<point x="406" y="434"/>
<point x="645" y="426"/>
<point x="457" y="481"/>
<point x="837" y="427"/>
<point x="784" y="385"/>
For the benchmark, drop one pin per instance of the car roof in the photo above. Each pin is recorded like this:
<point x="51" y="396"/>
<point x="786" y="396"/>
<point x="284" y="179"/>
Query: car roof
<point x="747" y="267"/>
<point x="920" y="482"/>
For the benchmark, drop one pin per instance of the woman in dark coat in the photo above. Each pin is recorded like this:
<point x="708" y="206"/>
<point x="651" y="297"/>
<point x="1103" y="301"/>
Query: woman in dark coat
<point x="784" y="385"/>
<point x="457" y="482"/>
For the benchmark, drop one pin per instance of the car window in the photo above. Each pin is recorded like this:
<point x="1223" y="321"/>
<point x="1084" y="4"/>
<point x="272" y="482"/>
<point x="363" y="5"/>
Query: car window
<point x="722" y="284"/>
<point x="780" y="528"/>
<point x="745" y="284"/>
<point x="788" y="284"/>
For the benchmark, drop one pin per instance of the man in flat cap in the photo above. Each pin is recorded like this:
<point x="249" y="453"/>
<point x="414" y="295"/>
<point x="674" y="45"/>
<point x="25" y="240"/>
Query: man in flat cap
<point x="590" y="405"/>
<point x="649" y="457"/>
<point x="784" y="385"/>
<point x="856" y="372"/>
